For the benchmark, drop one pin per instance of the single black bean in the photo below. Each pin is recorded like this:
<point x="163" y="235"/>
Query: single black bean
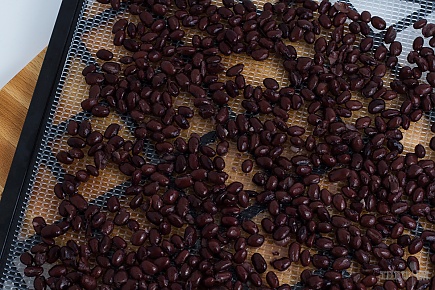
<point x="259" y="263"/>
<point x="104" y="54"/>
<point x="378" y="22"/>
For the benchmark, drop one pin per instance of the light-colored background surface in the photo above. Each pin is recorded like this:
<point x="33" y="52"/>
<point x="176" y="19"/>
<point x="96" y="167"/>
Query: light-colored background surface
<point x="15" y="96"/>
<point x="25" y="29"/>
<point x="23" y="39"/>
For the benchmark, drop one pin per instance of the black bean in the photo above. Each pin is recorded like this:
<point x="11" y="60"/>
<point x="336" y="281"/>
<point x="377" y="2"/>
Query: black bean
<point x="415" y="246"/>
<point x="369" y="281"/>
<point x="260" y="54"/>
<point x="294" y="251"/>
<point x="378" y="22"/>
<point x="235" y="70"/>
<point x="270" y="83"/>
<point x="341" y="263"/>
<point x="419" y="23"/>
<point x="281" y="264"/>
<point x="259" y="263"/>
<point x="395" y="48"/>
<point x="104" y="54"/>
<point x="255" y="240"/>
<point x="33" y="271"/>
<point x="272" y="279"/>
<point x="64" y="157"/>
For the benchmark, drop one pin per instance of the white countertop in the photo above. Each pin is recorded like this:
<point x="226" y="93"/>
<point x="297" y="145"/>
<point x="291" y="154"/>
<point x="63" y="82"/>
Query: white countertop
<point x="25" y="29"/>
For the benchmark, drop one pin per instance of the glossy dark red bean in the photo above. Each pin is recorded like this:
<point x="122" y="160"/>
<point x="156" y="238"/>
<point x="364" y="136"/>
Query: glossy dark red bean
<point x="33" y="271"/>
<point x="378" y="22"/>
<point x="419" y="24"/>
<point x="305" y="257"/>
<point x="235" y="70"/>
<point x="390" y="35"/>
<point x="272" y="279"/>
<point x="259" y="263"/>
<point x="104" y="54"/>
<point x="260" y="54"/>
<point x="294" y="251"/>
<point x="255" y="240"/>
<point x="415" y="246"/>
<point x="281" y="264"/>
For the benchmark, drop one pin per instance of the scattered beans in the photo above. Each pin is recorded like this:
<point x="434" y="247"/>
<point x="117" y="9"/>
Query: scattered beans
<point x="381" y="191"/>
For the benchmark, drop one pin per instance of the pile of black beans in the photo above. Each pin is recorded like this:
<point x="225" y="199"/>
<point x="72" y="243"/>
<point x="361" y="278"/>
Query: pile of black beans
<point x="195" y="235"/>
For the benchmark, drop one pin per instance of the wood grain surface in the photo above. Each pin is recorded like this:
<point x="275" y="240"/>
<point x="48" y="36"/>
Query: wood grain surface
<point x="15" y="98"/>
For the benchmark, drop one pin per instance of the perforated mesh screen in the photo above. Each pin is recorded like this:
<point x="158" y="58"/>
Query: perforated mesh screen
<point x="93" y="32"/>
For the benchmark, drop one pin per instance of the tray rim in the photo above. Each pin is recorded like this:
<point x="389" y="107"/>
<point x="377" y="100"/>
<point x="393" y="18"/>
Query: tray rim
<point x="32" y="133"/>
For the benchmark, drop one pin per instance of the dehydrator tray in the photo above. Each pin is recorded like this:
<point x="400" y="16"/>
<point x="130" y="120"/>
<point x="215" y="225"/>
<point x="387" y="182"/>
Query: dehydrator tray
<point x="82" y="28"/>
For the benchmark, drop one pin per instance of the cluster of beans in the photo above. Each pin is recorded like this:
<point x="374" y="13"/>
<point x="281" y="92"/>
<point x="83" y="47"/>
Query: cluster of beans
<point x="196" y="236"/>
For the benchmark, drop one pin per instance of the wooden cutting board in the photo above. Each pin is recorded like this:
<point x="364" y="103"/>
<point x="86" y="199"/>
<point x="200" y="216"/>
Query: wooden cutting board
<point x="15" y="99"/>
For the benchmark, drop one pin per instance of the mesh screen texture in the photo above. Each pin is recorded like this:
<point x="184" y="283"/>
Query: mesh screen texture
<point x="93" y="31"/>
